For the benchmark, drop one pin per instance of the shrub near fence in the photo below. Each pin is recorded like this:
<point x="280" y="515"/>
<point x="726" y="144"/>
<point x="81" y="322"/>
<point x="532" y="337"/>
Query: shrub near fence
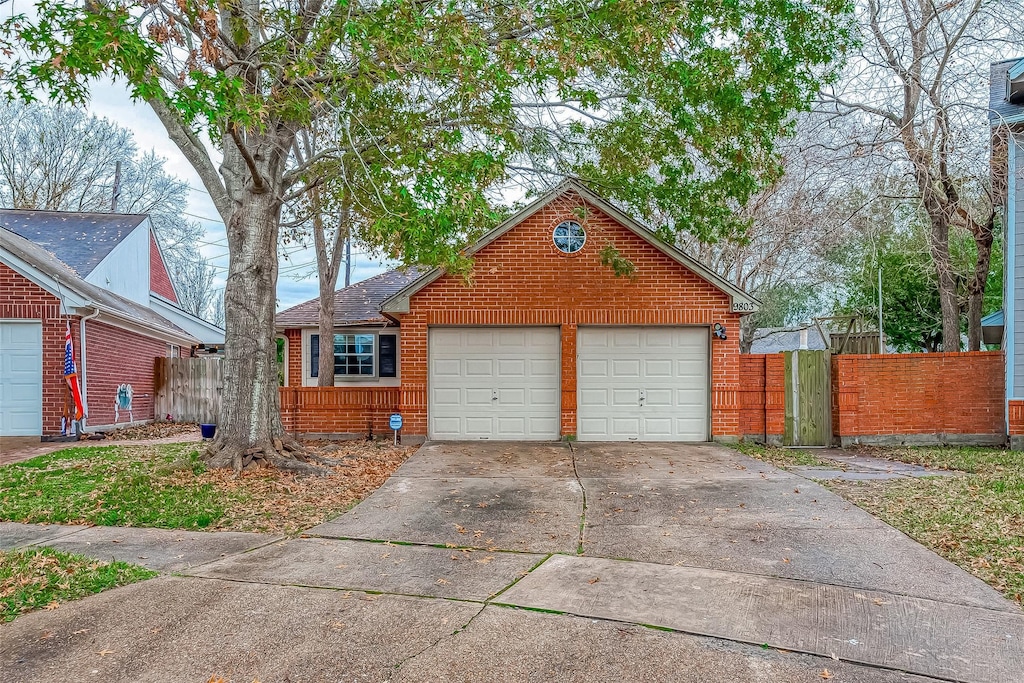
<point x="187" y="389"/>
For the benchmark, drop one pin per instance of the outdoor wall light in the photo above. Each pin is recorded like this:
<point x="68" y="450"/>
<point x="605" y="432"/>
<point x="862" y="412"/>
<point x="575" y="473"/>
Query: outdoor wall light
<point x="719" y="330"/>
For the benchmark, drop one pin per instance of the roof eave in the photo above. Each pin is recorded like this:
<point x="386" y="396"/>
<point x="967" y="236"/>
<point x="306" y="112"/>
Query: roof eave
<point x="1016" y="71"/>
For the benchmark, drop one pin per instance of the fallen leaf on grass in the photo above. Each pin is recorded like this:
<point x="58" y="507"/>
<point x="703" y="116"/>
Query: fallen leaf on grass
<point x="52" y="606"/>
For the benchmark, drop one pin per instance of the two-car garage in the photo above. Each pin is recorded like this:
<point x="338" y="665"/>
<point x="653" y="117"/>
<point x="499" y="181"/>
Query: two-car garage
<point x="633" y="383"/>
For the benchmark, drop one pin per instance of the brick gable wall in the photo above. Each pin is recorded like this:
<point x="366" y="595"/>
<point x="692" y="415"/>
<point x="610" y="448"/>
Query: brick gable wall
<point x="159" y="278"/>
<point x="522" y="279"/>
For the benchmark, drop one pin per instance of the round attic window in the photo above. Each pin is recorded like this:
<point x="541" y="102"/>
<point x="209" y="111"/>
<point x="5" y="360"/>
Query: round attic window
<point x="569" y="237"/>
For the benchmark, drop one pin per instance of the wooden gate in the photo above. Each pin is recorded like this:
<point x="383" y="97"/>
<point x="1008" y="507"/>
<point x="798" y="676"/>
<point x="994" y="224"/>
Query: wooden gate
<point x="808" y="399"/>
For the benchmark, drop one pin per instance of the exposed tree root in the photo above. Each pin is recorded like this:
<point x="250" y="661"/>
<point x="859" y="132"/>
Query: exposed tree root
<point x="284" y="453"/>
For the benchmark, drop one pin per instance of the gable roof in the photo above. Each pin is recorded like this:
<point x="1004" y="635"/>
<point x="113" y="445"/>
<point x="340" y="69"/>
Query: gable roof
<point x="355" y="304"/>
<point x="68" y="283"/>
<point x="1000" y="110"/>
<point x="742" y="302"/>
<point x="80" y="240"/>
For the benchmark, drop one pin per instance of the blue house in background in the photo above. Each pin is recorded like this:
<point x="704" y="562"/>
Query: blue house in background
<point x="1006" y="116"/>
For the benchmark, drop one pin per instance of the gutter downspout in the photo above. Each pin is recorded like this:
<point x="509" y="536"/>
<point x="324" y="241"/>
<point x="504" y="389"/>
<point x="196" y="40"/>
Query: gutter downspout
<point x="84" y="372"/>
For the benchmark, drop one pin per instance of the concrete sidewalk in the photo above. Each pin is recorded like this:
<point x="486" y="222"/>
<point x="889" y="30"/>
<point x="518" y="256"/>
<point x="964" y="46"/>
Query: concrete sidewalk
<point x="9" y="456"/>
<point x="163" y="550"/>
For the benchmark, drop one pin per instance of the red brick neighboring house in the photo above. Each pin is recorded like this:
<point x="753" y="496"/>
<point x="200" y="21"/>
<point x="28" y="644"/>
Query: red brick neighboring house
<point x="106" y="276"/>
<point x="546" y="341"/>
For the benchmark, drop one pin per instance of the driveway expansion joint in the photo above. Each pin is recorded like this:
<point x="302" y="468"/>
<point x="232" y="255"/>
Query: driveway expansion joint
<point x="583" y="506"/>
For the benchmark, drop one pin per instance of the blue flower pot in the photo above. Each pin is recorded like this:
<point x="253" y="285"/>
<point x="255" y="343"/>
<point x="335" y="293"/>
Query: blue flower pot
<point x="208" y="431"/>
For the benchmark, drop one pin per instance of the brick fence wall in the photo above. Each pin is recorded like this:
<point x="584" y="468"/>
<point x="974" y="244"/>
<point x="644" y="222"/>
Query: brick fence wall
<point x="762" y="397"/>
<point x="890" y="398"/>
<point x="338" y="410"/>
<point x="957" y="397"/>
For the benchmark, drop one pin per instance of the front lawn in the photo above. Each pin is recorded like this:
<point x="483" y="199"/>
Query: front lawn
<point x="975" y="520"/>
<point x="168" y="486"/>
<point x="42" y="578"/>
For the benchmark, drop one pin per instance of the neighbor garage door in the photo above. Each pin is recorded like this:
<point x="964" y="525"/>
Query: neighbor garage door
<point x="21" y="379"/>
<point x="493" y="383"/>
<point x="642" y="384"/>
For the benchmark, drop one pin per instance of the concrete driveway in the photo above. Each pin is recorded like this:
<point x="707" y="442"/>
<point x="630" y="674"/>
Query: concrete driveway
<point x="505" y="561"/>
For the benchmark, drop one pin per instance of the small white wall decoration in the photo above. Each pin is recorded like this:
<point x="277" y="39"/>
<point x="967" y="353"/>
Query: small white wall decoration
<point x="123" y="401"/>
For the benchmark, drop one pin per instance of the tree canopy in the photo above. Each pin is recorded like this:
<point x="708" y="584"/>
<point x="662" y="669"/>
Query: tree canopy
<point x="421" y="111"/>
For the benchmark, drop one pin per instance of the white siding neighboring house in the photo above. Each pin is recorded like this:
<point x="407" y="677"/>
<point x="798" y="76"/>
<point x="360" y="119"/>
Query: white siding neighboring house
<point x="1006" y="115"/>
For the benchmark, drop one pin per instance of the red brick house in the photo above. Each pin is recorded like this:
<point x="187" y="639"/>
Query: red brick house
<point x="105" y="275"/>
<point x="545" y="342"/>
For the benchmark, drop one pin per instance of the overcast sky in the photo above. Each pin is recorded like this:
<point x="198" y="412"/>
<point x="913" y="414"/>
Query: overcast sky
<point x="297" y="282"/>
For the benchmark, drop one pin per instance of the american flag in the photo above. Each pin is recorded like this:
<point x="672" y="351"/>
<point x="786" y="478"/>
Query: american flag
<point x="71" y="373"/>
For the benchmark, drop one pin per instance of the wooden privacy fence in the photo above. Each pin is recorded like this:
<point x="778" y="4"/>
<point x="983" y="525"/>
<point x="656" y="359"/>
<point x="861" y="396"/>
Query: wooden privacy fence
<point x="187" y="389"/>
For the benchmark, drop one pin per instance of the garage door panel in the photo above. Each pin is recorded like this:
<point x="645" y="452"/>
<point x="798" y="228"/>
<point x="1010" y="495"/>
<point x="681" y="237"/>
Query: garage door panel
<point x="544" y="397"/>
<point x="624" y="398"/>
<point x="668" y="364"/>
<point x="661" y="367"/>
<point x="21" y="379"/>
<point x="628" y="367"/>
<point x="593" y="368"/>
<point x="512" y="397"/>
<point x="511" y="367"/>
<point x="476" y="397"/>
<point x="506" y="381"/>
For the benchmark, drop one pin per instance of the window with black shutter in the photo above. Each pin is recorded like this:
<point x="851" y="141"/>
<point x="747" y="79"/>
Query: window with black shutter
<point x="314" y="355"/>
<point x="388" y="359"/>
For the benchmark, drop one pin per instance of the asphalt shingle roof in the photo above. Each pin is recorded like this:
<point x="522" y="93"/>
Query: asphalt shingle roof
<point x="999" y="107"/>
<point x="355" y="304"/>
<point x="80" y="240"/>
<point x="49" y="265"/>
<point x="779" y="339"/>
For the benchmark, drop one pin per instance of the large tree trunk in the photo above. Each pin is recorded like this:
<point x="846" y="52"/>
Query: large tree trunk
<point x="326" y="329"/>
<point x="250" y="408"/>
<point x="983" y="238"/>
<point x="249" y="430"/>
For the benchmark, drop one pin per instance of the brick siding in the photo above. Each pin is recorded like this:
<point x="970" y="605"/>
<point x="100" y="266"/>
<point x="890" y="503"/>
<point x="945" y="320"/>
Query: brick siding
<point x="159" y="279"/>
<point x="338" y="410"/>
<point x="522" y="279"/>
<point x="294" y="356"/>
<point x="113" y="357"/>
<point x="20" y="298"/>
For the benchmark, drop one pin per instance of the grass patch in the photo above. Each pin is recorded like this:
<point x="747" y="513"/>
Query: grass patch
<point x="780" y="457"/>
<point x="42" y="578"/>
<point x="168" y="486"/>
<point x="975" y="520"/>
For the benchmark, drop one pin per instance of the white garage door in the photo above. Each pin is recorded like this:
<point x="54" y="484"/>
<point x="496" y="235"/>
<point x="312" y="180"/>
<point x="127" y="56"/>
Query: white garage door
<point x="494" y="383"/>
<point x="21" y="379"/>
<point x="642" y="384"/>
